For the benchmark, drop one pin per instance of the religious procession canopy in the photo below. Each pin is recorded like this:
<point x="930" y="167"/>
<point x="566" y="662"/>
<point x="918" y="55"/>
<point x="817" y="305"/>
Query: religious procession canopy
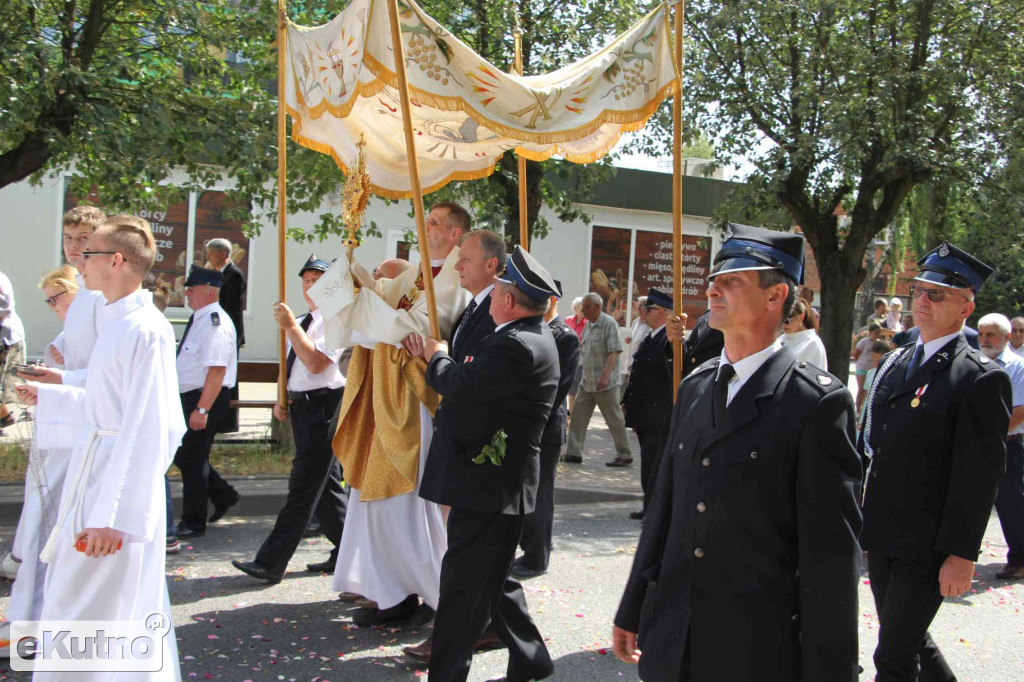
<point x="341" y="83"/>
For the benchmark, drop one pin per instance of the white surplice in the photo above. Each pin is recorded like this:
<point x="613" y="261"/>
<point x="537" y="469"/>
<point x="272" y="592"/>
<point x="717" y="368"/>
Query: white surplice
<point x="81" y="325"/>
<point x="48" y="462"/>
<point x="131" y="420"/>
<point x="393" y="548"/>
<point x="44" y="480"/>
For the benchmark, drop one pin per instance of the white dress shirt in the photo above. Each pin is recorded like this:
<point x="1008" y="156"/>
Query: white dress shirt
<point x="1013" y="365"/>
<point x="746" y="367"/>
<point x="207" y="345"/>
<point x="933" y="346"/>
<point x="301" y="379"/>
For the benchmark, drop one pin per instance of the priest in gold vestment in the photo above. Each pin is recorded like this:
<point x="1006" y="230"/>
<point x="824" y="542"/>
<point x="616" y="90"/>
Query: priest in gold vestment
<point x="394" y="541"/>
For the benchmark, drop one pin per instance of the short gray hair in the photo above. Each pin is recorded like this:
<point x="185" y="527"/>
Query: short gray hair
<point x="996" y="320"/>
<point x="640" y="301"/>
<point x="219" y="244"/>
<point x="593" y="298"/>
<point x="491" y="243"/>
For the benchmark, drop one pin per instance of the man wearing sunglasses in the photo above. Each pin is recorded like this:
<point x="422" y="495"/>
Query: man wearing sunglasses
<point x="934" y="430"/>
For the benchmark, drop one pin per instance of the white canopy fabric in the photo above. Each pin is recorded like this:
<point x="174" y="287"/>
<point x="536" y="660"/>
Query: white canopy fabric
<point x="341" y="83"/>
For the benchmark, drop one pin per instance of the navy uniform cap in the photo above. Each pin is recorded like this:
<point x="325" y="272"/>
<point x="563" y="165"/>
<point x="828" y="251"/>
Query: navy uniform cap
<point x="952" y="267"/>
<point x="203" y="277"/>
<point x="314" y="263"/>
<point x="755" y="248"/>
<point x="659" y="298"/>
<point x="526" y="272"/>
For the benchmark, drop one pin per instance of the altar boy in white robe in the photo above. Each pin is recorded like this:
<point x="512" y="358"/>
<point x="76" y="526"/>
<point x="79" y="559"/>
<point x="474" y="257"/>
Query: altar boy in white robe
<point x="113" y="504"/>
<point x="49" y="460"/>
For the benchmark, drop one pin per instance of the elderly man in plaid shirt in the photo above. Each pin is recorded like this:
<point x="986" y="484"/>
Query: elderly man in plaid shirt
<point x="602" y="351"/>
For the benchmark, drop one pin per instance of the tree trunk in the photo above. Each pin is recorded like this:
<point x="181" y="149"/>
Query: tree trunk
<point x="839" y="282"/>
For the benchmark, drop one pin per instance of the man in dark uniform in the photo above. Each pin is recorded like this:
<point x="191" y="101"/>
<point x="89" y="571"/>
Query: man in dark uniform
<point x="536" y="540"/>
<point x="934" y="430"/>
<point x="748" y="563"/>
<point x="647" y="402"/>
<point x="207" y="368"/>
<point x="315" y="386"/>
<point x="487" y="435"/>
<point x="703" y="344"/>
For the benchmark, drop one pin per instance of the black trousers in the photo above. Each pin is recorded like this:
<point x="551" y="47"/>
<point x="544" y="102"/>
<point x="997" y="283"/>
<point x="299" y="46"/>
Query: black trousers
<point x="314" y="485"/>
<point x="652" y="439"/>
<point x="1010" y="502"/>
<point x="536" y="540"/>
<point x="200" y="482"/>
<point x="476" y="590"/>
<point x="907" y="598"/>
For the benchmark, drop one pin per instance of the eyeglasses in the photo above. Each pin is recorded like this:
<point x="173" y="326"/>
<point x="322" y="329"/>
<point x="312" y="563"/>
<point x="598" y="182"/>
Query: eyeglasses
<point x="934" y="295"/>
<point x="52" y="300"/>
<point x="86" y="254"/>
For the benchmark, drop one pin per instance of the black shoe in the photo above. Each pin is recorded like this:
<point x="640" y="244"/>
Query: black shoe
<point x="525" y="573"/>
<point x="368" y="617"/>
<point x="322" y="567"/>
<point x="219" y="512"/>
<point x="257" y="570"/>
<point x="619" y="462"/>
<point x="186" y="533"/>
<point x="571" y="459"/>
<point x="637" y="514"/>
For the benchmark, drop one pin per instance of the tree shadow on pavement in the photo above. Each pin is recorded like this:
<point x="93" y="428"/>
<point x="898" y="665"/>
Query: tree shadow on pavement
<point x="299" y="641"/>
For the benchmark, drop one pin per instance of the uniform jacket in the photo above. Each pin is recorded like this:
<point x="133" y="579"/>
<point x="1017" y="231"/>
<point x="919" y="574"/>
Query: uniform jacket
<point x="749" y="546"/>
<point x="232" y="298"/>
<point x="936" y="467"/>
<point x="648" y="396"/>
<point x="703" y="344"/>
<point x="568" y="345"/>
<point x="510" y="384"/>
<point x="478" y="326"/>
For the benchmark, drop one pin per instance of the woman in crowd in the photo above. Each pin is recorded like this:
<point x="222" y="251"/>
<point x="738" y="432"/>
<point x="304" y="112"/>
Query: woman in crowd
<point x="801" y="335"/>
<point x="44" y="477"/>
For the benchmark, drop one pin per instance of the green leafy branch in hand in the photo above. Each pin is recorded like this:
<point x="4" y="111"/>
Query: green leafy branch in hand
<point x="495" y="452"/>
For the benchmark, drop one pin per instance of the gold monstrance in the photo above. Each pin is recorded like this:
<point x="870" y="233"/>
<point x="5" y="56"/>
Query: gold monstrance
<point x="355" y="197"/>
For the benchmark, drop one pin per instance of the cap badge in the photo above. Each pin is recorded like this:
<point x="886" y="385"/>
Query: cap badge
<point x="944" y="249"/>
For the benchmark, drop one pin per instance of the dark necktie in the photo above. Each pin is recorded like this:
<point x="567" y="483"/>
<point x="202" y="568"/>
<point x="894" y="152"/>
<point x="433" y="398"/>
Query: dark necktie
<point x="184" y="334"/>
<point x="462" y="323"/>
<point x="725" y="373"/>
<point x="915" y="361"/>
<point x="306" y="321"/>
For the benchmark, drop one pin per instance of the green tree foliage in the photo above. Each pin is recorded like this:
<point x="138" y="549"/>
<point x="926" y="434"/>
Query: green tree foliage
<point x="123" y="92"/>
<point x="843" y="104"/>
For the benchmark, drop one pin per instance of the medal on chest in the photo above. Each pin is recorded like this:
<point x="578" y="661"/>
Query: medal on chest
<point x="917" y="396"/>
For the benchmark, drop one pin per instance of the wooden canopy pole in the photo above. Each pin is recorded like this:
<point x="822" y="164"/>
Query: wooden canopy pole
<point x="524" y="219"/>
<point x="414" y="168"/>
<point x="677" y="195"/>
<point x="282" y="195"/>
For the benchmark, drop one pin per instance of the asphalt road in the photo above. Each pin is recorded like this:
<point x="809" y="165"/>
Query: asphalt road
<point x="232" y="627"/>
